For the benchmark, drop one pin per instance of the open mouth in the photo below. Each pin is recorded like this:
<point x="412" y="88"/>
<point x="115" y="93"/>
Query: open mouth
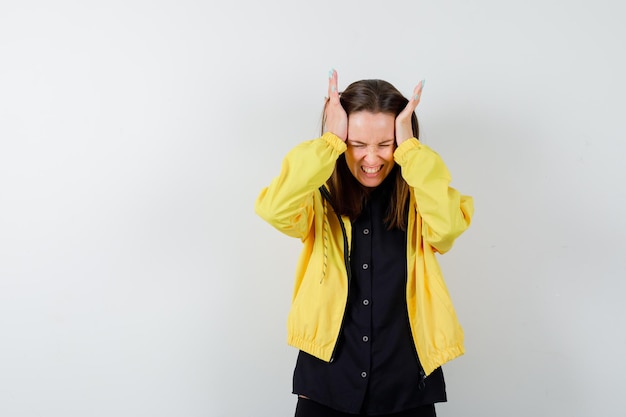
<point x="371" y="170"/>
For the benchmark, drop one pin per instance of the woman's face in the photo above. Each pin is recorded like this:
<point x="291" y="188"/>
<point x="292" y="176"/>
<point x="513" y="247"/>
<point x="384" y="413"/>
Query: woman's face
<point x="371" y="142"/>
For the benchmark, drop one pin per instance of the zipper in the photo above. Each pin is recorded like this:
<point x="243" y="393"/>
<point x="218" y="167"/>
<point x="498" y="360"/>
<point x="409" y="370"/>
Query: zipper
<point x="346" y="259"/>
<point x="422" y="374"/>
<point x="343" y="319"/>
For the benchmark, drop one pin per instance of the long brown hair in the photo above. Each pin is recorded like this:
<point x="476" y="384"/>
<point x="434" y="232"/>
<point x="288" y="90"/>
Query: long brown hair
<point x="348" y="196"/>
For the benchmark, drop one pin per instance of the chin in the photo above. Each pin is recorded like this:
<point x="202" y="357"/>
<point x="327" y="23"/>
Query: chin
<point x="371" y="182"/>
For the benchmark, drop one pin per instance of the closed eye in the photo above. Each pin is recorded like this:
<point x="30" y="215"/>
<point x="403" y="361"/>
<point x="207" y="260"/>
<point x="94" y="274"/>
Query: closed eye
<point x="361" y="145"/>
<point x="356" y="145"/>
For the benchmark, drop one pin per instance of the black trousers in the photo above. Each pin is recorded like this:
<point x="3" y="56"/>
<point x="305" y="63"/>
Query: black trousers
<point x="309" y="408"/>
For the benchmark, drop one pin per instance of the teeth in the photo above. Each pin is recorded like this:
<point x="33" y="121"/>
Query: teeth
<point x="371" y="170"/>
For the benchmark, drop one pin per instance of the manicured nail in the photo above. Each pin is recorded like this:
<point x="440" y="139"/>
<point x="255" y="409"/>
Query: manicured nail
<point x="330" y="73"/>
<point x="423" y="82"/>
<point x="333" y="89"/>
<point x="416" y="97"/>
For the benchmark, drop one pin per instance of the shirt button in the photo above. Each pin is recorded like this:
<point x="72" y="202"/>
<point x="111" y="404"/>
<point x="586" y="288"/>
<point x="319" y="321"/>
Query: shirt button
<point x="366" y="231"/>
<point x="366" y="302"/>
<point x="365" y="338"/>
<point x="363" y="374"/>
<point x="365" y="266"/>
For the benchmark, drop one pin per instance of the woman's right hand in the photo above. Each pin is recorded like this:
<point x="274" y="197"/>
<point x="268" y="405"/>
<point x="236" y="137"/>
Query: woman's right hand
<point x="336" y="117"/>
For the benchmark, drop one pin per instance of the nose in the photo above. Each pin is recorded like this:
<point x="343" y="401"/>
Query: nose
<point x="370" y="155"/>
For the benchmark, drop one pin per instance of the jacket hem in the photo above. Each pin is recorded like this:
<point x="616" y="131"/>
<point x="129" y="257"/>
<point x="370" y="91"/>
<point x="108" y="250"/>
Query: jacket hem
<point x="441" y="357"/>
<point x="311" y="348"/>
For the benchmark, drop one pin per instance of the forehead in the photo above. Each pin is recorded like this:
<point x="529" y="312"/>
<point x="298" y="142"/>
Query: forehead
<point x="368" y="127"/>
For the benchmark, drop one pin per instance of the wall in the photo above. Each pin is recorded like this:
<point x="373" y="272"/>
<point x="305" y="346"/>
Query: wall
<point x="135" y="278"/>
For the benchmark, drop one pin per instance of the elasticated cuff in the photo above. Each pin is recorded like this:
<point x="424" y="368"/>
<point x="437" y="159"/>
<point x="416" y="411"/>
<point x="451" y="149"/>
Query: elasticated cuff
<point x="404" y="148"/>
<point x="334" y="141"/>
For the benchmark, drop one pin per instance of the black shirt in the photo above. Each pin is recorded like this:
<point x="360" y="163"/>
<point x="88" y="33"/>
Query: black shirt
<point x="375" y="369"/>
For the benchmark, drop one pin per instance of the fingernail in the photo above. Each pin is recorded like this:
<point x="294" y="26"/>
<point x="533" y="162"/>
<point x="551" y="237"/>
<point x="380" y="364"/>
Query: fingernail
<point x="423" y="82"/>
<point x="333" y="88"/>
<point x="416" y="97"/>
<point x="330" y="73"/>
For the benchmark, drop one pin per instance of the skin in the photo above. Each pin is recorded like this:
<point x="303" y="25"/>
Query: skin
<point x="371" y="142"/>
<point x="371" y="137"/>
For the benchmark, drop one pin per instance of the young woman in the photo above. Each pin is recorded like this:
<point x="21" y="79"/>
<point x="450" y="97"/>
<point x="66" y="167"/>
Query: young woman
<point x="372" y="205"/>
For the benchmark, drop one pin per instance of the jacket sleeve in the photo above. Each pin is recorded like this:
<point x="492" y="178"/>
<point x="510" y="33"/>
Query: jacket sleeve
<point x="444" y="211"/>
<point x="287" y="203"/>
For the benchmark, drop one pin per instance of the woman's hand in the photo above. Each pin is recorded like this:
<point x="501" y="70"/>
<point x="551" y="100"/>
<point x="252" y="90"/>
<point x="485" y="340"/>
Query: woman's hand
<point x="404" y="129"/>
<point x="336" y="117"/>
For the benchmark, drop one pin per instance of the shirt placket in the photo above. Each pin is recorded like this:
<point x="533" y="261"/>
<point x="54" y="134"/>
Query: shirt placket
<point x="365" y="284"/>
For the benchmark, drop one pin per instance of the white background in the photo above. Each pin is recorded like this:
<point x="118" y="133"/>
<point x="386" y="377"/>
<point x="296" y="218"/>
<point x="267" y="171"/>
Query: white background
<point x="135" y="278"/>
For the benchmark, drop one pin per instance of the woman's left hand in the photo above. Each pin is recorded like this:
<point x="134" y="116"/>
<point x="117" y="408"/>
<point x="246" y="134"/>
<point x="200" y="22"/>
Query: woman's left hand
<point x="404" y="129"/>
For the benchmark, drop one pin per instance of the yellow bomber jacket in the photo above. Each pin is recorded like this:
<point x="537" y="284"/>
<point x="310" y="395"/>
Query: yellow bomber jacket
<point x="438" y="214"/>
